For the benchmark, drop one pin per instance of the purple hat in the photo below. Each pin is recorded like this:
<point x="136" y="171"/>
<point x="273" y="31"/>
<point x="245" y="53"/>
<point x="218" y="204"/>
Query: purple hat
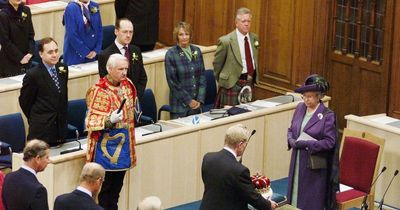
<point x="314" y="83"/>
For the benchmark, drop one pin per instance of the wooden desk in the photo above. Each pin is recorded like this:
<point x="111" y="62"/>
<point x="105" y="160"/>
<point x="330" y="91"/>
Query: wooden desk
<point x="169" y="163"/>
<point x="391" y="154"/>
<point x="47" y="18"/>
<point x="80" y="81"/>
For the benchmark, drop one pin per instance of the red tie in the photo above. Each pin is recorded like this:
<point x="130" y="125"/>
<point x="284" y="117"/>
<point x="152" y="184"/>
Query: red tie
<point x="249" y="60"/>
<point x="127" y="55"/>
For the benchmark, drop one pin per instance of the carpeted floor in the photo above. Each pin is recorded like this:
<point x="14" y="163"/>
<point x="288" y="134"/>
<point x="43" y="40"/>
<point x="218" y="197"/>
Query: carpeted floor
<point x="279" y="186"/>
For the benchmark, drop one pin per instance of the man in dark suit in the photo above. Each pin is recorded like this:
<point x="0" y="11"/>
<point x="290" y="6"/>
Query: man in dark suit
<point x="91" y="179"/>
<point x="136" y="72"/>
<point x="144" y="14"/>
<point x="44" y="96"/>
<point x="227" y="183"/>
<point x="21" y="188"/>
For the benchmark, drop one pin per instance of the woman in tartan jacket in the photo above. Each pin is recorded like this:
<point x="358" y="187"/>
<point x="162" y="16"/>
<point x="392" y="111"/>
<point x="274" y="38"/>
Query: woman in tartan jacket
<point x="184" y="68"/>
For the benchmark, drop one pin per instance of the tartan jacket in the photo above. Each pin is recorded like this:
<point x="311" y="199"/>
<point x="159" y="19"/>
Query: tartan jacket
<point x="186" y="79"/>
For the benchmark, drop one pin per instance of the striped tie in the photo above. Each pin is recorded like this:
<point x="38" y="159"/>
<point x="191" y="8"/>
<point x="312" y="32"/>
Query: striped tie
<point x="55" y="78"/>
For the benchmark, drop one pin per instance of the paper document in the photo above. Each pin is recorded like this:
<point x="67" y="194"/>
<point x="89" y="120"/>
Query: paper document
<point x="155" y="53"/>
<point x="384" y="120"/>
<point x="84" y="66"/>
<point x="266" y="104"/>
<point x="18" y="78"/>
<point x="343" y="187"/>
<point x="305" y="137"/>
<point x="193" y="120"/>
<point x="141" y="131"/>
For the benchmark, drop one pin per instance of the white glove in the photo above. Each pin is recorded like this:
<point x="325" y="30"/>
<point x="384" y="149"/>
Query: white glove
<point x="116" y="117"/>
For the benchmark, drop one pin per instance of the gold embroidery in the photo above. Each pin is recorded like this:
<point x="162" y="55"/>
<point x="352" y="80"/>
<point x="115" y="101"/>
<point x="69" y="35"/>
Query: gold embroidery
<point x="117" y="152"/>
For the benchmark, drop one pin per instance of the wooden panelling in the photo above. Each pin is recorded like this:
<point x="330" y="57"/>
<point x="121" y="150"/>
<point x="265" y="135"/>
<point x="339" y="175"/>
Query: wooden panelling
<point x="171" y="12"/>
<point x="394" y="97"/>
<point x="361" y="87"/>
<point x="296" y="41"/>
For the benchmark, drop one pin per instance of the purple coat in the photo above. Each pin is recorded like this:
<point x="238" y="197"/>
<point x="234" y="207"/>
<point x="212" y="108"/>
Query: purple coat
<point x="312" y="183"/>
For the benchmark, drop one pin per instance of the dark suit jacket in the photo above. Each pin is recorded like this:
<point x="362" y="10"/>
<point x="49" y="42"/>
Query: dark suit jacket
<point x="74" y="201"/>
<point x="144" y="15"/>
<point x="16" y="39"/>
<point x="43" y="105"/>
<point x="136" y="72"/>
<point x="22" y="191"/>
<point x="227" y="184"/>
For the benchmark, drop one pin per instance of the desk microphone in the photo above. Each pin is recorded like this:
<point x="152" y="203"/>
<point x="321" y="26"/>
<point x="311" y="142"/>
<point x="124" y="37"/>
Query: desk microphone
<point x="364" y="205"/>
<point x="383" y="197"/>
<point x="248" y="141"/>
<point x="73" y="150"/>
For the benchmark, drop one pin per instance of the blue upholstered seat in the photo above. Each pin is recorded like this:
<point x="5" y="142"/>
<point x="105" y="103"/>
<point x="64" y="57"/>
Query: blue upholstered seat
<point x="12" y="131"/>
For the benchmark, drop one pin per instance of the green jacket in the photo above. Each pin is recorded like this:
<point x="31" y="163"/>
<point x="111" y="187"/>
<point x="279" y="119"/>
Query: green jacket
<point x="227" y="61"/>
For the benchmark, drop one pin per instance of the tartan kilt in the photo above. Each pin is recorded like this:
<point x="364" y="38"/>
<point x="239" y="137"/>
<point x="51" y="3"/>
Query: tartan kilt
<point x="229" y="96"/>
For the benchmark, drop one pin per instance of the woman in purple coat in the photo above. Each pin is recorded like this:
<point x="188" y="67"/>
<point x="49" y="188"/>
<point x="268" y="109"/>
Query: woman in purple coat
<point x="312" y="138"/>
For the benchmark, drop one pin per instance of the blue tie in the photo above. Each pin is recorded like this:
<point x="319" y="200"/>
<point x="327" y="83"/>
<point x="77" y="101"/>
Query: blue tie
<point x="55" y="78"/>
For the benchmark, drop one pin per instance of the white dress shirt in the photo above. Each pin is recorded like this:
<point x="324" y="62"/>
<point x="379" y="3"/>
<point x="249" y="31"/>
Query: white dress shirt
<point x="240" y="38"/>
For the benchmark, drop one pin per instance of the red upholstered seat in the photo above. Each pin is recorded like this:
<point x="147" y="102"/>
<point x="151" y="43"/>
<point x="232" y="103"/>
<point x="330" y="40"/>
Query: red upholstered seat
<point x="357" y="163"/>
<point x="348" y="195"/>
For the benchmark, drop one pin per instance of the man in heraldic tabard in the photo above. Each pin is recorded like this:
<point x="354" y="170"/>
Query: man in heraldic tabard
<point x="111" y="138"/>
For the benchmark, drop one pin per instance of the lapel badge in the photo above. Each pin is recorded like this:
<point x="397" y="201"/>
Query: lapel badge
<point x="319" y="115"/>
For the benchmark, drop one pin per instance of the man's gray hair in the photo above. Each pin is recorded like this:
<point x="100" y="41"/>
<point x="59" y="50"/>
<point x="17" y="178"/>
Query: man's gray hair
<point x="35" y="148"/>
<point x="150" y="203"/>
<point x="91" y="172"/>
<point x="235" y="134"/>
<point x="242" y="11"/>
<point x="113" y="60"/>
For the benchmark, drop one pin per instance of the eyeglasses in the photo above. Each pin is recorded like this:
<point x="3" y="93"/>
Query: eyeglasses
<point x="307" y="97"/>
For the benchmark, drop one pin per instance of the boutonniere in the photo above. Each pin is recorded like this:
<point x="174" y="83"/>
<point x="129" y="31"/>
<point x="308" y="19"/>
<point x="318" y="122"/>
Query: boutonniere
<point x="319" y="115"/>
<point x="94" y="10"/>
<point x="181" y="54"/>
<point x="24" y="16"/>
<point x="256" y="44"/>
<point x="62" y="70"/>
<point x="135" y="57"/>
<point x="194" y="55"/>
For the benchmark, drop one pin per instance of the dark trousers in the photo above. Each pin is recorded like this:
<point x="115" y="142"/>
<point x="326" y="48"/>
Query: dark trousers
<point x="109" y="193"/>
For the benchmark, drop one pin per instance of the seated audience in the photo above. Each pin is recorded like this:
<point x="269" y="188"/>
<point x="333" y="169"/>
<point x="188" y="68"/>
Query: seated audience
<point x="21" y="188"/>
<point x="16" y="38"/>
<point x="83" y="198"/>
<point x="44" y="96"/>
<point x="136" y="73"/>
<point x="83" y="32"/>
<point x="227" y="183"/>
<point x="150" y="203"/>
<point x="184" y="68"/>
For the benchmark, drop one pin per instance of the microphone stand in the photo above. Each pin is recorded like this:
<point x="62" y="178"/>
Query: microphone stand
<point x="252" y="133"/>
<point x="364" y="205"/>
<point x="383" y="197"/>
<point x="73" y="150"/>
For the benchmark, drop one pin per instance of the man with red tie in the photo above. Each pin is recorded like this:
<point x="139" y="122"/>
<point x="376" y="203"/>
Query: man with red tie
<point x="124" y="32"/>
<point x="235" y="60"/>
